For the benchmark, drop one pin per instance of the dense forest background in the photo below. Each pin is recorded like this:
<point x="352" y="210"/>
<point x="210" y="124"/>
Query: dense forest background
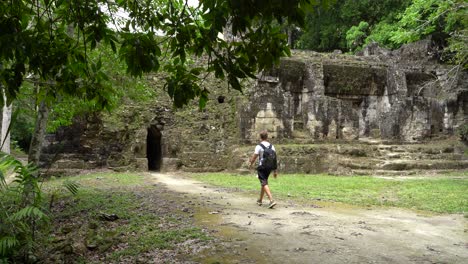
<point x="349" y="25"/>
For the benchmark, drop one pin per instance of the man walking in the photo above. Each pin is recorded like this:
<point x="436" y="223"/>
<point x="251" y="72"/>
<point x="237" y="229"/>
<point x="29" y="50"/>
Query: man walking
<point x="266" y="153"/>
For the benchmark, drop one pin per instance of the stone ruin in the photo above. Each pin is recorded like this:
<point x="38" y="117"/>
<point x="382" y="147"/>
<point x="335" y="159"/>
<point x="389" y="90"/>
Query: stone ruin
<point x="329" y="113"/>
<point x="389" y="95"/>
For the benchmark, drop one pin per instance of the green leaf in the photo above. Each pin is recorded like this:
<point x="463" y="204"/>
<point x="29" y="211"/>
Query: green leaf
<point x="112" y="44"/>
<point x="58" y="3"/>
<point x="72" y="187"/>
<point x="203" y="99"/>
<point x="7" y="244"/>
<point x="99" y="64"/>
<point x="234" y="82"/>
<point x="29" y="212"/>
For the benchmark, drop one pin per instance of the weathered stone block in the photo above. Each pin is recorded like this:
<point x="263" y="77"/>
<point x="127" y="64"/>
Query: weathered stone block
<point x="70" y="164"/>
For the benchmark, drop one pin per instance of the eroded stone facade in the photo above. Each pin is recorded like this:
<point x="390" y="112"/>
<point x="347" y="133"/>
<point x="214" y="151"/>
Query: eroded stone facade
<point x="381" y="94"/>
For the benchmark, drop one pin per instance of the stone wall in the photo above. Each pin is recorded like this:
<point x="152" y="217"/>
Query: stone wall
<point x="381" y="94"/>
<point x="392" y="96"/>
<point x="150" y="135"/>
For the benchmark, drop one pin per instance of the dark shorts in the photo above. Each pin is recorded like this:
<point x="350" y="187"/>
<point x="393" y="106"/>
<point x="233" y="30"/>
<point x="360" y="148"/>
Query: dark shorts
<point x="263" y="176"/>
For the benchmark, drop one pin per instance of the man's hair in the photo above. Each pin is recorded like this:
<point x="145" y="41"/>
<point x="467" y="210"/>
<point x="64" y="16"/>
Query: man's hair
<point x="264" y="135"/>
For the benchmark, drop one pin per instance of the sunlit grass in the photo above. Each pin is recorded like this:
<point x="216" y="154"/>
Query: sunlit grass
<point x="442" y="195"/>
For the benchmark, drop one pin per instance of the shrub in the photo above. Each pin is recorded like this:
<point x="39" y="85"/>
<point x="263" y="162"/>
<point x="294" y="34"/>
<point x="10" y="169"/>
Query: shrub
<point x="356" y="35"/>
<point x="21" y="211"/>
<point x="463" y="132"/>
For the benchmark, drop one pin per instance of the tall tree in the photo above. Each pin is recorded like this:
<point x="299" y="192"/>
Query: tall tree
<point x="326" y="26"/>
<point x="34" y="40"/>
<point x="39" y="133"/>
<point x="155" y="35"/>
<point x="5" y="126"/>
<point x="445" y="20"/>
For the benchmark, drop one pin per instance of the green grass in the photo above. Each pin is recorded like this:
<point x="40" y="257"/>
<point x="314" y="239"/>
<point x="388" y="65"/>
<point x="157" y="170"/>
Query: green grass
<point x="102" y="180"/>
<point x="141" y="225"/>
<point x="441" y="195"/>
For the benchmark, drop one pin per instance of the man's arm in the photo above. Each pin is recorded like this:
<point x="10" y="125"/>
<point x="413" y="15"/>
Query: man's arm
<point x="252" y="160"/>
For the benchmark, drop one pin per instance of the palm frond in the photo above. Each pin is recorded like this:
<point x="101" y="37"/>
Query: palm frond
<point x="29" y="212"/>
<point x="7" y="244"/>
<point x="2" y="180"/>
<point x="71" y="186"/>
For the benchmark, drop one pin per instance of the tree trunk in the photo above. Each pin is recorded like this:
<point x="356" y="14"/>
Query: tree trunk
<point x="290" y="31"/>
<point x="38" y="134"/>
<point x="5" y="130"/>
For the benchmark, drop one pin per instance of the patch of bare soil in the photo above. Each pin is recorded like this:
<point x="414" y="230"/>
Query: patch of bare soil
<point x="294" y="233"/>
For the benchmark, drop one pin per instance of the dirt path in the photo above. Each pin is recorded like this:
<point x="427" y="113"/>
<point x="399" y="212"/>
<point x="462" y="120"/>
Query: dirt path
<point x="292" y="233"/>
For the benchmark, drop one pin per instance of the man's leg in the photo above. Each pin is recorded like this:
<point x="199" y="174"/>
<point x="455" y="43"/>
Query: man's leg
<point x="262" y="192"/>
<point x="266" y="189"/>
<point x="268" y="192"/>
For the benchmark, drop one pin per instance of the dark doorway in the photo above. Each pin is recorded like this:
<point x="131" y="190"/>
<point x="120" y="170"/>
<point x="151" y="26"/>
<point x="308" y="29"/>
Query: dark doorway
<point x="153" y="149"/>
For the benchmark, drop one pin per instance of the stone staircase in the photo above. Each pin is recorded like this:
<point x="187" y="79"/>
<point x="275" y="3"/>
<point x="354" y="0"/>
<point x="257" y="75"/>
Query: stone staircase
<point x="69" y="163"/>
<point x="373" y="158"/>
<point x="417" y="158"/>
<point x="396" y="159"/>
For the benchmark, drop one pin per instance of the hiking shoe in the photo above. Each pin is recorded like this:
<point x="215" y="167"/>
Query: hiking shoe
<point x="271" y="204"/>
<point x="259" y="202"/>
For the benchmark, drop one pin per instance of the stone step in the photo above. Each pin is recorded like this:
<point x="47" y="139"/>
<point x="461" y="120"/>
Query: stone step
<point x="397" y="173"/>
<point x="61" y="172"/>
<point x="409" y="156"/>
<point x="76" y="164"/>
<point x="400" y="165"/>
<point x="358" y="163"/>
<point x="170" y="164"/>
<point x="431" y="148"/>
<point x="70" y="156"/>
<point x="403" y="163"/>
<point x="399" y="150"/>
<point x="370" y="141"/>
<point x="393" y="155"/>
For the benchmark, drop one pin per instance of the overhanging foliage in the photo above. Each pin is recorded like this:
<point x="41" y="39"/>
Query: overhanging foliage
<point x="51" y="40"/>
